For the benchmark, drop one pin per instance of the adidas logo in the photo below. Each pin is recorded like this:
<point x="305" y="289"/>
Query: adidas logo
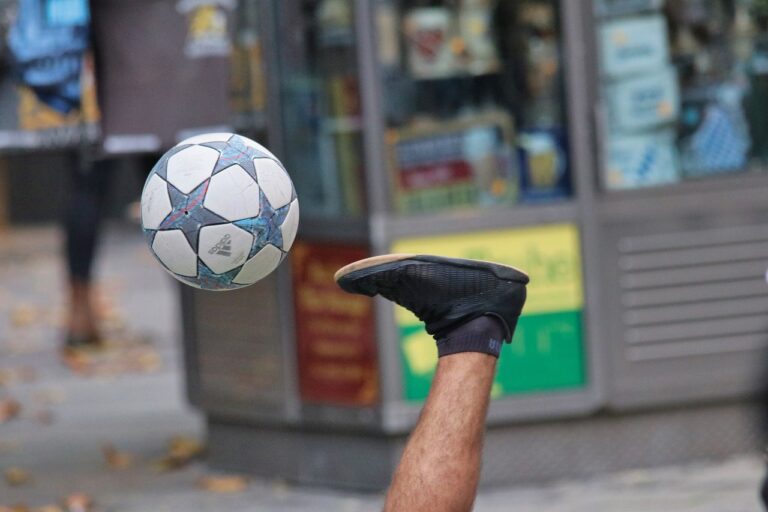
<point x="223" y="248"/>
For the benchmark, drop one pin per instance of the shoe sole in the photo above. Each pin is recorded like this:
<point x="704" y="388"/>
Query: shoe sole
<point x="499" y="270"/>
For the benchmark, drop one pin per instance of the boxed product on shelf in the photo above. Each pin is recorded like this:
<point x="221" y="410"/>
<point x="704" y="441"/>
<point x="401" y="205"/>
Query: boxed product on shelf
<point x="643" y="102"/>
<point x="428" y="32"/>
<point x="640" y="160"/>
<point x="543" y="160"/>
<point x="476" y="29"/>
<point x="630" y="46"/>
<point x="439" y="165"/>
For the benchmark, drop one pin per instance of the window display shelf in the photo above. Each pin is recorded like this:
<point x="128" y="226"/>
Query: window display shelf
<point x="723" y="191"/>
<point x="481" y="219"/>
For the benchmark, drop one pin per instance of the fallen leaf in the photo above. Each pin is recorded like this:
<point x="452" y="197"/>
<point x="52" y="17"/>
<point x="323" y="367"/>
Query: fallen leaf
<point x="49" y="508"/>
<point x="9" y="409"/>
<point x="24" y="315"/>
<point x="115" y="458"/>
<point x="15" y="508"/>
<point x="181" y="451"/>
<point x="16" y="477"/>
<point x="78" y="361"/>
<point x="10" y="376"/>
<point x="78" y="503"/>
<point x="223" y="484"/>
<point x="147" y="361"/>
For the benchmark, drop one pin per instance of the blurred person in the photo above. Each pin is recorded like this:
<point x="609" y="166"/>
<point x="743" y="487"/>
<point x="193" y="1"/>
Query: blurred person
<point x="91" y="177"/>
<point x="90" y="183"/>
<point x="47" y="46"/>
<point x="470" y="308"/>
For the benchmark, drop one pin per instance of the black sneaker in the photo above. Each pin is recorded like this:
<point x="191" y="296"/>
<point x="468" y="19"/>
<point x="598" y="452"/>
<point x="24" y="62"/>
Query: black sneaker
<point x="443" y="292"/>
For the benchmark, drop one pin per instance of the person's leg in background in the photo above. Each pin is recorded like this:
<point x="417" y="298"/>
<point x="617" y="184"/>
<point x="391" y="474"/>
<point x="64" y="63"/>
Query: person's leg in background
<point x="470" y="308"/>
<point x="88" y="190"/>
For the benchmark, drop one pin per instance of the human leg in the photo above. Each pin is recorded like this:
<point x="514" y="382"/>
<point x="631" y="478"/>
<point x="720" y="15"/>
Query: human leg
<point x="470" y="308"/>
<point x="440" y="467"/>
<point x="88" y="190"/>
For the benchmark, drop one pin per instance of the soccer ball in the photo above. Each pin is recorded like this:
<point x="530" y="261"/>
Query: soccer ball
<point x="219" y="211"/>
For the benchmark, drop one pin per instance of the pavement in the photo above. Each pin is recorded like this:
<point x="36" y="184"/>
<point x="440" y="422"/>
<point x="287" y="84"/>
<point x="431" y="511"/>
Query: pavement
<point x="100" y="426"/>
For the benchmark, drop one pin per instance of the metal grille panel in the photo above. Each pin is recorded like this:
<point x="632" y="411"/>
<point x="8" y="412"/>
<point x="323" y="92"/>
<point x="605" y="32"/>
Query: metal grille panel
<point x="694" y="293"/>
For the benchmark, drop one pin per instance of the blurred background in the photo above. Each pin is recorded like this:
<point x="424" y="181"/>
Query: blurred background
<point x="614" y="149"/>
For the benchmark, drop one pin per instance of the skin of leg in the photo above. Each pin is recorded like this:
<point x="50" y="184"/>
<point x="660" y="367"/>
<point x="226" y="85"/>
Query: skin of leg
<point x="440" y="467"/>
<point x="82" y="319"/>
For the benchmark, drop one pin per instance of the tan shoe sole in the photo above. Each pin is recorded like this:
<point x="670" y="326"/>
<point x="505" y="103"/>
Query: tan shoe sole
<point x="389" y="258"/>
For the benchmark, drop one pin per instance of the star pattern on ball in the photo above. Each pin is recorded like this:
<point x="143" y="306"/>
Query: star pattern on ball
<point x="236" y="152"/>
<point x="207" y="279"/>
<point x="161" y="167"/>
<point x="189" y="214"/>
<point x="266" y="227"/>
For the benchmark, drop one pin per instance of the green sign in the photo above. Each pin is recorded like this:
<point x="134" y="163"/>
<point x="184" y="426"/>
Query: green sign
<point x="547" y="353"/>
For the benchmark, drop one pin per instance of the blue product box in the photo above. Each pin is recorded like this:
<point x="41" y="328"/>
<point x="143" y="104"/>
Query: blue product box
<point x="646" y="102"/>
<point x="543" y="158"/>
<point x="641" y="160"/>
<point x="633" y="45"/>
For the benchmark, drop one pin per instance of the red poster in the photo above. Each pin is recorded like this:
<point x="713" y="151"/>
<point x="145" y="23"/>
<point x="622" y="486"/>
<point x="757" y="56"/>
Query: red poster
<point x="334" y="329"/>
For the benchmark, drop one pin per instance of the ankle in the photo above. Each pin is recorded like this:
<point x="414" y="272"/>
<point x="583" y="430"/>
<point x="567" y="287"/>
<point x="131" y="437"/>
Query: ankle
<point x="484" y="334"/>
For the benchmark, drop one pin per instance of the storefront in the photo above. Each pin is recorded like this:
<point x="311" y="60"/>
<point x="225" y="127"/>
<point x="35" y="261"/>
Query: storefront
<point x="615" y="149"/>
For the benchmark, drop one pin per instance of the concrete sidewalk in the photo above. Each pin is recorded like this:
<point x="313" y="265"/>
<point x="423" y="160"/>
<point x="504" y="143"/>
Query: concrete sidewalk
<point x="68" y="416"/>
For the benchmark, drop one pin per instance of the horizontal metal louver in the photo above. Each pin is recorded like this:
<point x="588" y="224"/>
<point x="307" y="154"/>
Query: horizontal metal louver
<point x="693" y="293"/>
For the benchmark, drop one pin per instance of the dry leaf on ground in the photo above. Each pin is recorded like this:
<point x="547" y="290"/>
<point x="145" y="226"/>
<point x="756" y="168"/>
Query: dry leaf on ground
<point x="15" y="508"/>
<point x="223" y="484"/>
<point x="182" y="450"/>
<point x="9" y="409"/>
<point x="9" y="376"/>
<point x="16" y="477"/>
<point x="78" y="361"/>
<point x="115" y="358"/>
<point x="78" y="503"/>
<point x="24" y="315"/>
<point x="116" y="459"/>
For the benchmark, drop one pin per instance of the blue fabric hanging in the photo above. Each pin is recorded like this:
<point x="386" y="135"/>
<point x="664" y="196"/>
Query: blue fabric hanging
<point x="47" y="42"/>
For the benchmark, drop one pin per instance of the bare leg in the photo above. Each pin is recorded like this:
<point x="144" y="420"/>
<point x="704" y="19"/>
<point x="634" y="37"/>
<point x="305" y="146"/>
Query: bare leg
<point x="470" y="307"/>
<point x="82" y="319"/>
<point x="440" y="467"/>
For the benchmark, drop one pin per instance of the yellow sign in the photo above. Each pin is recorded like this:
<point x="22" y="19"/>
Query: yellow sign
<point x="550" y="255"/>
<point x="547" y="354"/>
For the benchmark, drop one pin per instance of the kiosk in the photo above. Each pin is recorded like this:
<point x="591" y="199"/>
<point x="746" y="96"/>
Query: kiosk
<point x="611" y="148"/>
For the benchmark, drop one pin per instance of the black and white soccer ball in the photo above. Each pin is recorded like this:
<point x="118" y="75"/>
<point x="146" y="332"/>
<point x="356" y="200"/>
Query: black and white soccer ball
<point x="219" y="211"/>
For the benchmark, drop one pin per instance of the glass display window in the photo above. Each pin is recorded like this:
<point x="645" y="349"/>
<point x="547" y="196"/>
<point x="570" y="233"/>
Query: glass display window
<point x="248" y="78"/>
<point x="474" y="102"/>
<point x="322" y="111"/>
<point x="685" y="88"/>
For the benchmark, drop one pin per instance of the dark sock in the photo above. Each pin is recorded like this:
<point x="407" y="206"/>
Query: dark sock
<point x="484" y="334"/>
